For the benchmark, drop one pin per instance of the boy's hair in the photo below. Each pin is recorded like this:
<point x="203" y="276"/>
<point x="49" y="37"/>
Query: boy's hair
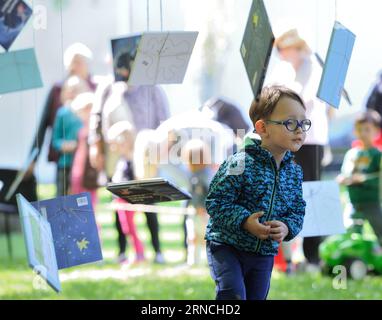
<point x="370" y="116"/>
<point x="269" y="97"/>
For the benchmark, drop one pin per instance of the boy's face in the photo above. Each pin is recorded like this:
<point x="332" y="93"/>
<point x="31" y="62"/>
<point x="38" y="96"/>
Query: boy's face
<point x="366" y="132"/>
<point x="277" y="135"/>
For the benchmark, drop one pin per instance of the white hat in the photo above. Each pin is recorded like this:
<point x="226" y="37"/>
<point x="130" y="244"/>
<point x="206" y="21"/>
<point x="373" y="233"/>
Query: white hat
<point x="82" y="100"/>
<point x="74" y="49"/>
<point x="118" y="128"/>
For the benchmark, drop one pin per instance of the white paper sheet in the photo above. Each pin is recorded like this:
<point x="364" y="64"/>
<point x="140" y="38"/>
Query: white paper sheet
<point x="323" y="213"/>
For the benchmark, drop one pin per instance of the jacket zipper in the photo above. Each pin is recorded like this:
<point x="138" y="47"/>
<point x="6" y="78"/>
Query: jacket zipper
<point x="275" y="171"/>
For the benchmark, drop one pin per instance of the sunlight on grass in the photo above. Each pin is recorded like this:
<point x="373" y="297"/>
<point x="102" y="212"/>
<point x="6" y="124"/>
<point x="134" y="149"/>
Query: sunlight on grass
<point x="147" y="281"/>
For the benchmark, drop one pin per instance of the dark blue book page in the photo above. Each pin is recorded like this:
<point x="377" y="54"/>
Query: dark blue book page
<point x="74" y="229"/>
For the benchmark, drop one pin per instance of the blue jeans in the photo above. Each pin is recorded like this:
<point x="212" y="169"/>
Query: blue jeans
<point x="239" y="275"/>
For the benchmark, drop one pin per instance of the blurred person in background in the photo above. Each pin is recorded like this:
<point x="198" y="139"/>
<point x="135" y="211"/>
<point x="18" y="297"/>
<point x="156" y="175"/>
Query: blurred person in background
<point x="66" y="127"/>
<point x="145" y="107"/>
<point x="197" y="156"/>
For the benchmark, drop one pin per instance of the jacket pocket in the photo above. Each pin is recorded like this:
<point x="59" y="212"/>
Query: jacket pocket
<point x="214" y="246"/>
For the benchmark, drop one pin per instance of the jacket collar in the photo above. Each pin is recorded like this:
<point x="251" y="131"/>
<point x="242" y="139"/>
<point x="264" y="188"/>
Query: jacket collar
<point x="256" y="151"/>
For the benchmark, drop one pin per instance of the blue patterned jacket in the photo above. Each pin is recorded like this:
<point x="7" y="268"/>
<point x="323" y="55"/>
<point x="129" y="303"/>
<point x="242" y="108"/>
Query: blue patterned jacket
<point x="248" y="182"/>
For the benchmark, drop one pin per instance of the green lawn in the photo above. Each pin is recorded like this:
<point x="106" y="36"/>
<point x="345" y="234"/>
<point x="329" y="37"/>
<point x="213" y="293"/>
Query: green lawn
<point x="174" y="280"/>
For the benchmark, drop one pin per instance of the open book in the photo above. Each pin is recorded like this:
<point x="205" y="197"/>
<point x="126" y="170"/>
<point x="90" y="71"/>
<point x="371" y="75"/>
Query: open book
<point x="148" y="191"/>
<point x="153" y="57"/>
<point x="59" y="233"/>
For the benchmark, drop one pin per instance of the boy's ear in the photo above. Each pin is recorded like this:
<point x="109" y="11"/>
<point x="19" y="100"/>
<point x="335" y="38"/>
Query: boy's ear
<point x="260" y="126"/>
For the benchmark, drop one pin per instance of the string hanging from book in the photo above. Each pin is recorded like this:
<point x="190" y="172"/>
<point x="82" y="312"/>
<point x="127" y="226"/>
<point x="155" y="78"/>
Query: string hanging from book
<point x="148" y="15"/>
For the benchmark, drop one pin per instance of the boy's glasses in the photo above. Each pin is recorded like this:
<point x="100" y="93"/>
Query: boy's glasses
<point x="293" y="124"/>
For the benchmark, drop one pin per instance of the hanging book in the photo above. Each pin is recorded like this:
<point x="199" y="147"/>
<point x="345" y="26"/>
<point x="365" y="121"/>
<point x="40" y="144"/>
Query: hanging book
<point x="336" y="65"/>
<point x="257" y="44"/>
<point x="153" y="57"/>
<point x="39" y="243"/>
<point x="14" y="14"/>
<point x="59" y="233"/>
<point x="148" y="191"/>
<point x="19" y="71"/>
<point x="74" y="229"/>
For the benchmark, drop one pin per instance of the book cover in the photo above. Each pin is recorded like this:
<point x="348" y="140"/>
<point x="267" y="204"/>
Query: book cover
<point x="336" y="65"/>
<point x="153" y="57"/>
<point x="148" y="191"/>
<point x="74" y="229"/>
<point x="257" y="45"/>
<point x="14" y="14"/>
<point x="19" y="71"/>
<point x="38" y="242"/>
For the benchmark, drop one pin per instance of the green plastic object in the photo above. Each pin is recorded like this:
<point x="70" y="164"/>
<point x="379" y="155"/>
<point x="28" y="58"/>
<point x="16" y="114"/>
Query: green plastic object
<point x="350" y="250"/>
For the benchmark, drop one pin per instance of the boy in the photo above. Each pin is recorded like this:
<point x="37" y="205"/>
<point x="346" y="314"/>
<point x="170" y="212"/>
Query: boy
<point x="360" y="173"/>
<point x="255" y="199"/>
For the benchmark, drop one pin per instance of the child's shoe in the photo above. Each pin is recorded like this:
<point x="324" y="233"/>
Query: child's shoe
<point x="159" y="259"/>
<point x="122" y="259"/>
<point x="139" y="258"/>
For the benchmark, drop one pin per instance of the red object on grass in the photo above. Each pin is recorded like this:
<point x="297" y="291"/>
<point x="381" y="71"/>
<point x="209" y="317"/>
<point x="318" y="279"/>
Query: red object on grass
<point x="280" y="262"/>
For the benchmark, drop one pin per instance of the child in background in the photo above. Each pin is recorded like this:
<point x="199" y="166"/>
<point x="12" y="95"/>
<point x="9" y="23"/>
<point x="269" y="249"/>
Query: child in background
<point x="120" y="138"/>
<point x="255" y="199"/>
<point x="83" y="177"/>
<point x="197" y="157"/>
<point x="361" y="171"/>
<point x="65" y="132"/>
<point x="146" y="165"/>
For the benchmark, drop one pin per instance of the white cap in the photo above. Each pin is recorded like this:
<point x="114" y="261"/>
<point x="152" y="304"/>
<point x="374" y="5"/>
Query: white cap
<point x="74" y="49"/>
<point x="82" y="100"/>
<point x="118" y="128"/>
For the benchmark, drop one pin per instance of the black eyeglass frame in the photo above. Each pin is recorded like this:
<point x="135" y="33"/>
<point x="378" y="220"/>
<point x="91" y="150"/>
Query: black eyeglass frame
<point x="298" y="124"/>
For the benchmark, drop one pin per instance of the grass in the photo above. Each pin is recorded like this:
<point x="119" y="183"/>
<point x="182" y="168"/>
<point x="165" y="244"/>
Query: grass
<point x="146" y="281"/>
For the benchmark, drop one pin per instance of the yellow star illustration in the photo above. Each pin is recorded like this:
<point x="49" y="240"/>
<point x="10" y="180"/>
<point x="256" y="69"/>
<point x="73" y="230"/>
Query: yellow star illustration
<point x="255" y="20"/>
<point x="83" y="244"/>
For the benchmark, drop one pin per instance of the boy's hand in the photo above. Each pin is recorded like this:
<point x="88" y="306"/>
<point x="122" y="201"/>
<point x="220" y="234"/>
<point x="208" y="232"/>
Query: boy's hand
<point x="342" y="180"/>
<point x="253" y="226"/>
<point x="358" y="178"/>
<point x="278" y="231"/>
<point x="355" y="178"/>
